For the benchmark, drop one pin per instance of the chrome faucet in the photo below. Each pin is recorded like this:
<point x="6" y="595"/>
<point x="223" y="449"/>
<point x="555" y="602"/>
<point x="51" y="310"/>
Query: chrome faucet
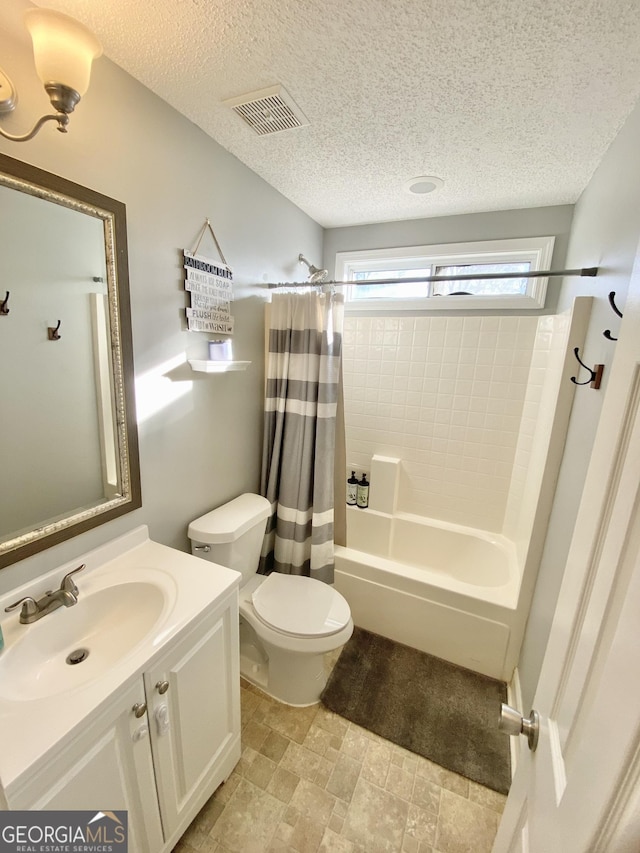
<point x="33" y="609"/>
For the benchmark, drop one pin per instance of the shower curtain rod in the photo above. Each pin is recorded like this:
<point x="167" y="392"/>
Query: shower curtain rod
<point x="584" y="271"/>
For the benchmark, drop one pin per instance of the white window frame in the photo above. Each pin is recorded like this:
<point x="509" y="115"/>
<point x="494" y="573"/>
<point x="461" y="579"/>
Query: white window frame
<point x="537" y="250"/>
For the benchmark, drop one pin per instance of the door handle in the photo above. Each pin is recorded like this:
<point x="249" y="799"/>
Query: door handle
<point x="513" y="723"/>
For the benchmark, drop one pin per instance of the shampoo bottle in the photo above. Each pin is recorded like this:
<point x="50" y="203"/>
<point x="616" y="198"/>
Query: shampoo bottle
<point x="352" y="490"/>
<point x="363" y="492"/>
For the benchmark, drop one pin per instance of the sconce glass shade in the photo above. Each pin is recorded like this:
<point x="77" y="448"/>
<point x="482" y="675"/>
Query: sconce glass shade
<point x="63" y="49"/>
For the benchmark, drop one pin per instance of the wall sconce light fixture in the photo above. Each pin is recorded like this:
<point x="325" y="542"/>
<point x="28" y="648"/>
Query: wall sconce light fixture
<point x="63" y="50"/>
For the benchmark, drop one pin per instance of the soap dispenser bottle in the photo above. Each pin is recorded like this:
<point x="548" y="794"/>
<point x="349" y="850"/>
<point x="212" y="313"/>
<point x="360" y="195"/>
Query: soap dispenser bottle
<point x="363" y="493"/>
<point x="352" y="490"/>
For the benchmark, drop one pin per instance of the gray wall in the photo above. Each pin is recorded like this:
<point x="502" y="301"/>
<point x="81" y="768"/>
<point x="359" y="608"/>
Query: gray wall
<point x="499" y="225"/>
<point x="123" y="141"/>
<point x="605" y="233"/>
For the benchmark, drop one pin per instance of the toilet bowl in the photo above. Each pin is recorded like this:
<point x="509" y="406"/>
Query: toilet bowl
<point x="288" y="623"/>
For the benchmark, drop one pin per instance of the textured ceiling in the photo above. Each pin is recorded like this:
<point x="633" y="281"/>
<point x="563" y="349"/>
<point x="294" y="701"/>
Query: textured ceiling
<point x="511" y="102"/>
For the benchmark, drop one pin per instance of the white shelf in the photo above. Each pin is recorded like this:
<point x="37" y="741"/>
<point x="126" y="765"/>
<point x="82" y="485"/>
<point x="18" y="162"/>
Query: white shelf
<point x="217" y="366"/>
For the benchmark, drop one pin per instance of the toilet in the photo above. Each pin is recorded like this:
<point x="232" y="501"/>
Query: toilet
<point x="288" y="623"/>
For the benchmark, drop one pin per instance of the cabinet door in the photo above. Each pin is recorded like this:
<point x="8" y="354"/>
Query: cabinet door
<point x="108" y="768"/>
<point x="195" y="722"/>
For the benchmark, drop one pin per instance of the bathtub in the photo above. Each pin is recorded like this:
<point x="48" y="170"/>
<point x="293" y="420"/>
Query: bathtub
<point x="448" y="590"/>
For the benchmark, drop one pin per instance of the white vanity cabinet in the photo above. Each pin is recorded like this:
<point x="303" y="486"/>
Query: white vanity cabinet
<point x="193" y="701"/>
<point x="163" y="763"/>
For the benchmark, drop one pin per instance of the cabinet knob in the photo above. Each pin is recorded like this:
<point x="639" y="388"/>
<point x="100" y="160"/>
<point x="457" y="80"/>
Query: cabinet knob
<point x="162" y="687"/>
<point x="140" y="709"/>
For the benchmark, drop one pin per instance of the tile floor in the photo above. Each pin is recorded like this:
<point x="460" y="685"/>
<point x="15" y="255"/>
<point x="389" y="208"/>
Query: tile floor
<point x="309" y="781"/>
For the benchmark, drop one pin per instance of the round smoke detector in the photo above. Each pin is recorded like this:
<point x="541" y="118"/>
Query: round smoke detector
<point x="423" y="185"/>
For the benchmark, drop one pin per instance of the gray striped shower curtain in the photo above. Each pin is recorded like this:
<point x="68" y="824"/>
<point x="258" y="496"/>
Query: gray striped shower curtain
<point x="304" y="339"/>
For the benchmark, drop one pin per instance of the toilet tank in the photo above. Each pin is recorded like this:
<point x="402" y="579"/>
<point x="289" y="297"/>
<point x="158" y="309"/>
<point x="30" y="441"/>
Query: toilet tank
<point x="234" y="533"/>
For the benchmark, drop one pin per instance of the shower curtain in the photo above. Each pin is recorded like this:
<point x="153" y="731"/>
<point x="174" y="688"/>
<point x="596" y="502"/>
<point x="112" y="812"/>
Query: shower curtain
<point x="304" y="341"/>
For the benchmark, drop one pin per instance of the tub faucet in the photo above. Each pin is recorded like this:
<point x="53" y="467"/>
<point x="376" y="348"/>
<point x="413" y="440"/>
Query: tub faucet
<point x="33" y="609"/>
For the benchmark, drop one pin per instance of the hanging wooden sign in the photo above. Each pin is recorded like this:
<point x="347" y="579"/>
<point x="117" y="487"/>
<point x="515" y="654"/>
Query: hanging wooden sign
<point x="209" y="321"/>
<point x="219" y="327"/>
<point x="199" y="300"/>
<point x="210" y="284"/>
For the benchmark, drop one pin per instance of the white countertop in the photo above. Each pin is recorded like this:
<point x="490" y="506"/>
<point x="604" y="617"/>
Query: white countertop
<point x="30" y="728"/>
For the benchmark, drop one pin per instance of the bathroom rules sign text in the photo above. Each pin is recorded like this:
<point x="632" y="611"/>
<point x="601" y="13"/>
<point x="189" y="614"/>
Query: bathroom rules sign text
<point x="210" y="285"/>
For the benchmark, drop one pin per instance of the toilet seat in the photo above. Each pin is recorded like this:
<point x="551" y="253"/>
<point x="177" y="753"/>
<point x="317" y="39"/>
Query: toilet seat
<point x="300" y="606"/>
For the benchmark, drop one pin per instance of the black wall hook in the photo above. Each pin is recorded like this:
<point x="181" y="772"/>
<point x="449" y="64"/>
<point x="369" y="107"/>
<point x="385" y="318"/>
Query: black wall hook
<point x="595" y="378"/>
<point x="3" y="306"/>
<point x="612" y="302"/>
<point x="53" y="332"/>
<point x="616" y="310"/>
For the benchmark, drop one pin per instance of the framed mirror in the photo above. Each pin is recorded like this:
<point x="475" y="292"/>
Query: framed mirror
<point x="68" y="436"/>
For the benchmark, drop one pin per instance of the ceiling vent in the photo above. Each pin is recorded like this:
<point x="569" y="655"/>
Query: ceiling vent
<point x="270" y="110"/>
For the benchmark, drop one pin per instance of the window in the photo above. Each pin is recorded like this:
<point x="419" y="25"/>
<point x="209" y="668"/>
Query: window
<point x="485" y="259"/>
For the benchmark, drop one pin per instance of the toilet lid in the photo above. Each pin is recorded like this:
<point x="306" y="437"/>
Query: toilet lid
<point x="301" y="606"/>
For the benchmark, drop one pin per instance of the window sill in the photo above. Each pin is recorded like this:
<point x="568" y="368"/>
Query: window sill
<point x="445" y="303"/>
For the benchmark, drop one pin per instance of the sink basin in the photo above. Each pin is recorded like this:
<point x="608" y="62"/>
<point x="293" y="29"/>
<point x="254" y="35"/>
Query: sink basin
<point x="102" y="629"/>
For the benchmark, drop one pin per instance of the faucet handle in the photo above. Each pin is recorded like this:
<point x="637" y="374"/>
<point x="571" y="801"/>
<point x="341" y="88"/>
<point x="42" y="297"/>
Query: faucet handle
<point x="67" y="584"/>
<point x="29" y="606"/>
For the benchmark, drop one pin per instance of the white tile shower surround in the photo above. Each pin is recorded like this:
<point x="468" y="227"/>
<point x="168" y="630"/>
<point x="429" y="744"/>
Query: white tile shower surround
<point x="549" y="345"/>
<point x="447" y="395"/>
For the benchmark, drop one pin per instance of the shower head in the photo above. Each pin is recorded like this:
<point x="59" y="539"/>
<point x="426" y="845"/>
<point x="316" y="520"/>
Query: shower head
<point x="316" y="275"/>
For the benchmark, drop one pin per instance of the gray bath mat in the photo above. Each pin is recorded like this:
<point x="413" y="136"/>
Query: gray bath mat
<point x="424" y="704"/>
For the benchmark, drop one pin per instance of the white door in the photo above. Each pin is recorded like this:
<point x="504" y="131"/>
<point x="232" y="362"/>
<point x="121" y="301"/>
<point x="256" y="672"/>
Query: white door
<point x="580" y="791"/>
<point x="193" y="694"/>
